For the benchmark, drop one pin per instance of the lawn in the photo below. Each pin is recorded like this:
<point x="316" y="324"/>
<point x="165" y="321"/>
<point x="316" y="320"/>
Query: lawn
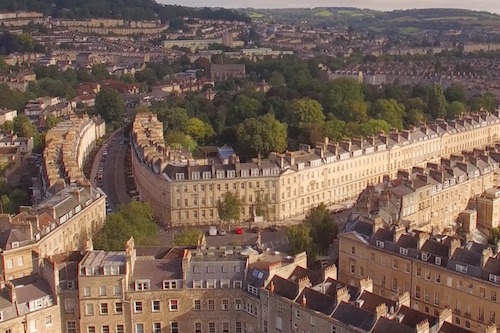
<point x="324" y="13"/>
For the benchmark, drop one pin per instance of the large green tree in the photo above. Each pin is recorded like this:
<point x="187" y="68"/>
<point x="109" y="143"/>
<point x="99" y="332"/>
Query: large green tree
<point x="389" y="110"/>
<point x="187" y="237"/>
<point x="200" y="131"/>
<point x="133" y="219"/>
<point x="109" y="104"/>
<point x="229" y="207"/>
<point x="262" y="135"/>
<point x="306" y="112"/>
<point x="340" y="97"/>
<point x="437" y="102"/>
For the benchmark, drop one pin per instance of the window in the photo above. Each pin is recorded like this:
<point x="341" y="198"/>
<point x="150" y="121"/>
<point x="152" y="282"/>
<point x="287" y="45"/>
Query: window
<point x="279" y="323"/>
<point x="467" y="324"/>
<point x="197" y="305"/>
<point x="395" y="264"/>
<point x="173" y="304"/>
<point x="89" y="309"/>
<point x="238" y="327"/>
<point x="437" y="260"/>
<point x="174" y="327"/>
<point x="105" y="329"/>
<point x="403" y="251"/>
<point x="156" y="327"/>
<point x="48" y="321"/>
<point x="493" y="296"/>
<point x="380" y="244"/>
<point x="70" y="284"/>
<point x="237" y="284"/>
<point x="237" y="304"/>
<point x="372" y="256"/>
<point x="120" y="329"/>
<point x="225" y="327"/>
<point x="461" y="268"/>
<point x="419" y="272"/>
<point x="211" y="327"/>
<point x="20" y="261"/>
<point x="118" y="307"/>
<point x="169" y="284"/>
<point x="297" y="313"/>
<point x="334" y="329"/>
<point x="71" y="327"/>
<point x="225" y="304"/>
<point x="102" y="291"/>
<point x="104" y="308"/>
<point x="482" y="292"/>
<point x="139" y="328"/>
<point x="211" y="304"/>
<point x="91" y="329"/>
<point x="197" y="327"/>
<point x="137" y="306"/>
<point x="417" y="292"/>
<point x="117" y="290"/>
<point x="280" y="306"/>
<point x="10" y="263"/>
<point x="253" y="290"/>
<point x="86" y="291"/>
<point x="353" y="250"/>
<point x="142" y="285"/>
<point x="155" y="306"/>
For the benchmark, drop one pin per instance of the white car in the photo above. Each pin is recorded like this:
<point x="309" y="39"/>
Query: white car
<point x="212" y="231"/>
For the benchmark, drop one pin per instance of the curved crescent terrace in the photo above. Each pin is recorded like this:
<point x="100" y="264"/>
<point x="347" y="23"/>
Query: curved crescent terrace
<point x="185" y="191"/>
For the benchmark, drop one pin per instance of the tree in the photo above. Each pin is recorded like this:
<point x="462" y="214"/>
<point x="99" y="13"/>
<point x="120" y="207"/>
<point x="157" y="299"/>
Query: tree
<point x="180" y="140"/>
<point x="262" y="205"/>
<point x="373" y="126"/>
<point x="174" y="119"/>
<point x="141" y="109"/>
<point x="187" y="237"/>
<point x="200" y="131"/>
<point x="306" y="112"/>
<point x="23" y="127"/>
<point x="229" y="207"/>
<point x="315" y="235"/>
<point x="415" y="117"/>
<point x="340" y="96"/>
<point x="455" y="109"/>
<point x="51" y="122"/>
<point x="277" y="80"/>
<point x="389" y="110"/>
<point x="262" y="135"/>
<point x="437" y="102"/>
<point x="244" y="107"/>
<point x="134" y="219"/>
<point x="335" y="129"/>
<point x="455" y="93"/>
<point x="486" y="101"/>
<point x="109" y="104"/>
<point x="100" y="72"/>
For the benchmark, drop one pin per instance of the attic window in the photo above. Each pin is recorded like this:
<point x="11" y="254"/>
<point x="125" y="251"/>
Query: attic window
<point x="461" y="268"/>
<point x="380" y="244"/>
<point x="179" y="176"/>
<point x="438" y="261"/>
<point x="15" y="245"/>
<point x="425" y="256"/>
<point x="142" y="285"/>
<point x="403" y="251"/>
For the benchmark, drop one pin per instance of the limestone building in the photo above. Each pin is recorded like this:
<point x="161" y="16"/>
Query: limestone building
<point x="185" y="191"/>
<point x="438" y="271"/>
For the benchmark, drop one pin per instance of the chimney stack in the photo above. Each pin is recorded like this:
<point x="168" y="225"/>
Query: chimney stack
<point x="304" y="300"/>
<point x="271" y="287"/>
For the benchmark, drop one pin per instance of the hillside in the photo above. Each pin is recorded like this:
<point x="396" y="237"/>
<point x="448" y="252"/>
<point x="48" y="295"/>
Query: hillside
<point x="124" y="9"/>
<point x="436" y="18"/>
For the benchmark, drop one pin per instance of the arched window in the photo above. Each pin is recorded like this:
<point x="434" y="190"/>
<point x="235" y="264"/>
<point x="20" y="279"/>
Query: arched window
<point x="467" y="324"/>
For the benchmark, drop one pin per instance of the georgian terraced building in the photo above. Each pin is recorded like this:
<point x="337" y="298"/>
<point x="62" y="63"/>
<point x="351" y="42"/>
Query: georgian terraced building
<point x="185" y="191"/>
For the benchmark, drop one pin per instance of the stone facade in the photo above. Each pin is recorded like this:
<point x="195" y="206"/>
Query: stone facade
<point x="185" y="191"/>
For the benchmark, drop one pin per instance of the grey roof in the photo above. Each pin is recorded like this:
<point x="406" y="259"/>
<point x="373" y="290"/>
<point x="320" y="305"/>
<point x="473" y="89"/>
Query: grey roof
<point x="284" y="287"/>
<point x="31" y="288"/>
<point x="385" y="325"/>
<point x="11" y="236"/>
<point x="213" y="267"/>
<point x="156" y="271"/>
<point x="354" y="316"/>
<point x="317" y="301"/>
<point x="411" y="317"/>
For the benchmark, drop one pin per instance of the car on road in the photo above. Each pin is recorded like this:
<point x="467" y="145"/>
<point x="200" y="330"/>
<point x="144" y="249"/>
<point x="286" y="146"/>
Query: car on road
<point x="222" y="232"/>
<point x="238" y="231"/>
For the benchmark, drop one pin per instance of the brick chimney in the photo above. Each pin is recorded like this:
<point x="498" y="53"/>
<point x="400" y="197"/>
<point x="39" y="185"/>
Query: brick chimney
<point x="490" y="329"/>
<point x="330" y="272"/>
<point x="422" y="238"/>
<point x="454" y="244"/>
<point x="487" y="253"/>
<point x="378" y="223"/>
<point x="381" y="310"/>
<point x="399" y="230"/>
<point x="303" y="301"/>
<point x="404" y="299"/>
<point x="342" y="295"/>
<point x="346" y="144"/>
<point x="445" y="315"/>
<point x="366" y="284"/>
<point x="11" y="290"/>
<point x="304" y="282"/>
<point x="423" y="327"/>
<point x="271" y="287"/>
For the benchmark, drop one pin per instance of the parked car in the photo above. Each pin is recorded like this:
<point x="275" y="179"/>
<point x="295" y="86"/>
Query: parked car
<point x="212" y="231"/>
<point x="222" y="232"/>
<point x="238" y="231"/>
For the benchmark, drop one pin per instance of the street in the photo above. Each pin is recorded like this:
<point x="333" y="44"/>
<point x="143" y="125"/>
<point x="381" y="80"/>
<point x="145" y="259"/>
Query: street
<point x="276" y="240"/>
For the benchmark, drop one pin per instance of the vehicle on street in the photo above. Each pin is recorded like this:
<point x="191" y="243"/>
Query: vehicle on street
<point x="238" y="231"/>
<point x="222" y="232"/>
<point x="212" y="231"/>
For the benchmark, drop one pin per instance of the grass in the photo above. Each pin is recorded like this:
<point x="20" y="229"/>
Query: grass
<point x="256" y="15"/>
<point x="409" y="31"/>
<point x="324" y="13"/>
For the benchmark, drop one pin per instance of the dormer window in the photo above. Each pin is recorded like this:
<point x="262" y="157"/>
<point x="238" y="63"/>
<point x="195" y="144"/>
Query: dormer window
<point x="171" y="284"/>
<point x="231" y="173"/>
<point x="461" y="268"/>
<point x="438" y="261"/>
<point x="380" y="244"/>
<point x="425" y="256"/>
<point x="70" y="284"/>
<point x="494" y="278"/>
<point x="179" y="176"/>
<point x="195" y="175"/>
<point x="255" y="172"/>
<point x="220" y="174"/>
<point x="300" y="166"/>
<point x="141" y="285"/>
<point x="15" y="245"/>
<point x="207" y="175"/>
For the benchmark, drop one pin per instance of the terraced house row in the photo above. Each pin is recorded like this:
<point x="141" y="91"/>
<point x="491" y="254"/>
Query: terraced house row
<point x="229" y="290"/>
<point x="184" y="191"/>
<point x="438" y="271"/>
<point x="66" y="148"/>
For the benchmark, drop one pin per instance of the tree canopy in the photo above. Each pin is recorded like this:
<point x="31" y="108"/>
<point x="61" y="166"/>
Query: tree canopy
<point x="262" y="135"/>
<point x="133" y="219"/>
<point x="229" y="207"/>
<point x="109" y="104"/>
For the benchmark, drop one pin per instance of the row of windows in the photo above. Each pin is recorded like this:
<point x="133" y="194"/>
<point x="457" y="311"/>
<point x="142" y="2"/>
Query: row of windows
<point x="173" y="328"/>
<point x="102" y="290"/>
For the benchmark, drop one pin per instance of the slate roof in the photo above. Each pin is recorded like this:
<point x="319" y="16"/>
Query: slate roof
<point x="284" y="287"/>
<point x="371" y="301"/>
<point x="156" y="271"/>
<point x="317" y="301"/>
<point x="354" y="316"/>
<point x="385" y="325"/>
<point x="451" y="328"/>
<point x="411" y="317"/>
